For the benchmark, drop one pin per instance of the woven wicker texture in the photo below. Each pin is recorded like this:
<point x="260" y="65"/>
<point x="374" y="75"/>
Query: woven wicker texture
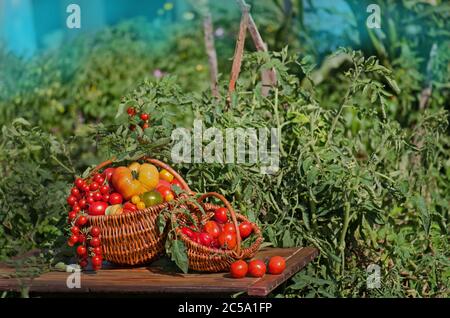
<point x="208" y="259"/>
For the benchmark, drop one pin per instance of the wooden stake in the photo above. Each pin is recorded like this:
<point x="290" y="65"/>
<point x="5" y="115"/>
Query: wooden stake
<point x="211" y="52"/>
<point x="238" y="53"/>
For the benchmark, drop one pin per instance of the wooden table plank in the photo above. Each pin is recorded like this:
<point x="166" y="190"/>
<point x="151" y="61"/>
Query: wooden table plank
<point x="155" y="279"/>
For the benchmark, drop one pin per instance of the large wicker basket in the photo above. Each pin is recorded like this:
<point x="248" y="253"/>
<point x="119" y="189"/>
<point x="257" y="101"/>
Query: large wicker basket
<point x="209" y="259"/>
<point x="133" y="238"/>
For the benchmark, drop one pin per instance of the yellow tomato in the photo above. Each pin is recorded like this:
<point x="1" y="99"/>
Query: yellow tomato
<point x="166" y="175"/>
<point x="140" y="205"/>
<point x="135" y="199"/>
<point x="169" y="197"/>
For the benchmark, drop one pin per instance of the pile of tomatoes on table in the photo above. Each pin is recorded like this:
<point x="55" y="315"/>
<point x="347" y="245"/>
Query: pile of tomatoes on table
<point x="115" y="191"/>
<point x="257" y="268"/>
<point x="218" y="233"/>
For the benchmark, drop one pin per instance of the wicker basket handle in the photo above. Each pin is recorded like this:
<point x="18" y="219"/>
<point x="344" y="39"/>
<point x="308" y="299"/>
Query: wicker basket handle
<point x="238" y="250"/>
<point x="156" y="162"/>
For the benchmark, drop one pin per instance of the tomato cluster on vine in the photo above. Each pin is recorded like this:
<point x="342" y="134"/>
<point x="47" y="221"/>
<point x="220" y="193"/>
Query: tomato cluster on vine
<point x="89" y="197"/>
<point x="144" y="118"/>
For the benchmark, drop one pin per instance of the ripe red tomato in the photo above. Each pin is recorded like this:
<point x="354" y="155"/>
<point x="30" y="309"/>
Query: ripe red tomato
<point x="215" y="243"/>
<point x="245" y="229"/>
<point x="229" y="227"/>
<point x="188" y="232"/>
<point x="131" y="111"/>
<point x="97" y="196"/>
<point x="94" y="186"/>
<point x="212" y="228"/>
<point x="90" y="200"/>
<point x="257" y="268"/>
<point x="72" y="215"/>
<point x="277" y="264"/>
<point x="95" y="231"/>
<point x="81" y="250"/>
<point x="75" y="192"/>
<point x="99" y="178"/>
<point x="82" y="220"/>
<point x="104" y="189"/>
<point x="73" y="239"/>
<point x="163" y="190"/>
<point x="239" y="269"/>
<point x="81" y="238"/>
<point x="221" y="215"/>
<point x="177" y="183"/>
<point x="98" y="208"/>
<point x="85" y="188"/>
<point x="71" y="200"/>
<point x="205" y="239"/>
<point x="79" y="183"/>
<point x="105" y="197"/>
<point x="96" y="261"/>
<point x="144" y="116"/>
<point x="76" y="208"/>
<point x="83" y="263"/>
<point x="115" y="198"/>
<point x="108" y="173"/>
<point x="75" y="230"/>
<point x="95" y="242"/>
<point x="227" y="240"/>
<point x="82" y="203"/>
<point x="129" y="207"/>
<point x="97" y="250"/>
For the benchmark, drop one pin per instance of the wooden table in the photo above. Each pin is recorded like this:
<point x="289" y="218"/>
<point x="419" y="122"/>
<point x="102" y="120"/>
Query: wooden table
<point x="155" y="280"/>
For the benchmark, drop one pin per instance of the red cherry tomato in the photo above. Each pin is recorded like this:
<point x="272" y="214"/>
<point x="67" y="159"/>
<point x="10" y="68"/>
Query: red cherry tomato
<point x="129" y="207"/>
<point x="79" y="183"/>
<point x="256" y="268"/>
<point x="83" y="263"/>
<point x="164" y="190"/>
<point x="85" y="188"/>
<point x="277" y="264"/>
<point x="227" y="240"/>
<point x="97" y="250"/>
<point x="115" y="198"/>
<point x="96" y="261"/>
<point x="90" y="200"/>
<point x="72" y="215"/>
<point x="104" y="189"/>
<point x="82" y="220"/>
<point x="81" y="250"/>
<point x="75" y="230"/>
<point x="131" y="111"/>
<point x="81" y="238"/>
<point x="71" y="200"/>
<point x="177" y="183"/>
<point x="95" y="231"/>
<point x="188" y="232"/>
<point x="99" y="178"/>
<point x="212" y="228"/>
<point x="144" y="116"/>
<point x="95" y="242"/>
<point x="75" y="192"/>
<point x="229" y="227"/>
<point x="98" y="208"/>
<point x="105" y="198"/>
<point x="239" y="269"/>
<point x="73" y="239"/>
<point x="245" y="229"/>
<point x="94" y="186"/>
<point x="221" y="215"/>
<point x="108" y="173"/>
<point x="82" y="203"/>
<point x="76" y="208"/>
<point x="97" y="196"/>
<point x="205" y="239"/>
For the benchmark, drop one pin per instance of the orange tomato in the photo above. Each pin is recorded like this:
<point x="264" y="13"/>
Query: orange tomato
<point x="135" y="179"/>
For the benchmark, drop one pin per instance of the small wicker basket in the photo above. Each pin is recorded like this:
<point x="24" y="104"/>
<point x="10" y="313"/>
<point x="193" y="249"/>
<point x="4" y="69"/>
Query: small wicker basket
<point x="208" y="259"/>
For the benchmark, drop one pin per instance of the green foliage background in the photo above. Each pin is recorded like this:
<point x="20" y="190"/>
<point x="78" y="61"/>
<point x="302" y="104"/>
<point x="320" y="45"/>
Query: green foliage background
<point x="364" y="170"/>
